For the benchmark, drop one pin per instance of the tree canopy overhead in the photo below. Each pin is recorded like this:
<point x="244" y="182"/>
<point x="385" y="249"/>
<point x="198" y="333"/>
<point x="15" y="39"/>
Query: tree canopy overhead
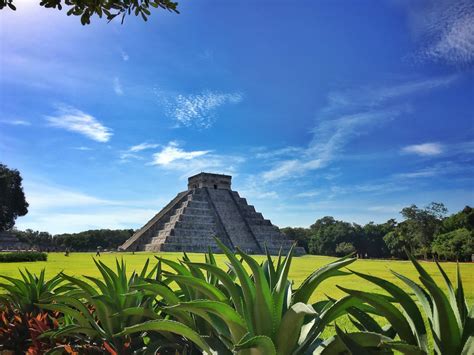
<point x="109" y="9"/>
<point x="12" y="197"/>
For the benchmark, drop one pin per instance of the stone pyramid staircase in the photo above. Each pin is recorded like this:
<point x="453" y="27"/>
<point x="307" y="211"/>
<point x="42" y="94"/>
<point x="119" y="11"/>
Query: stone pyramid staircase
<point x="191" y="227"/>
<point x="208" y="209"/>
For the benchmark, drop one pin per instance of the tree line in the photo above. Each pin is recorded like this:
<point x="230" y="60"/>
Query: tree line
<point x="84" y="241"/>
<point x="425" y="232"/>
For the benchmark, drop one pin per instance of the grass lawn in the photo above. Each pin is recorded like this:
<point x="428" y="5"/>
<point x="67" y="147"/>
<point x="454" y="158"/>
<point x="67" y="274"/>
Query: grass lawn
<point x="81" y="264"/>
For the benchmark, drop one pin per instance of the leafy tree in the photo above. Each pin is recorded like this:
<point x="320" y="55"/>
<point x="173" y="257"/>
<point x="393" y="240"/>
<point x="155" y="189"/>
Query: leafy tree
<point x="402" y="238"/>
<point x="462" y="219"/>
<point x="107" y="8"/>
<point x="344" y="248"/>
<point x="455" y="245"/>
<point x="371" y="242"/>
<point x="41" y="240"/>
<point x="423" y="224"/>
<point x="12" y="197"/>
<point x="300" y="235"/>
<point x="327" y="233"/>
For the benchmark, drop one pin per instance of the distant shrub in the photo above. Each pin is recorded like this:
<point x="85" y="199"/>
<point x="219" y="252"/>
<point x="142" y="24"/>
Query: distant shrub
<point x="19" y="256"/>
<point x="344" y="249"/>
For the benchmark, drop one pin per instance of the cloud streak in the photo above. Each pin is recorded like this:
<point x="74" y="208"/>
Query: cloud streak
<point x="74" y="120"/>
<point x="196" y="110"/>
<point x="424" y="149"/>
<point x="143" y="146"/>
<point x="173" y="153"/>
<point x="445" y="30"/>
<point x="16" y="122"/>
<point x="173" y="157"/>
<point x="348" y="115"/>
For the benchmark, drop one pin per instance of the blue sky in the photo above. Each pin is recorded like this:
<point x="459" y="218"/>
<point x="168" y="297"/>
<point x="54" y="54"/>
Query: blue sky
<point x="321" y="108"/>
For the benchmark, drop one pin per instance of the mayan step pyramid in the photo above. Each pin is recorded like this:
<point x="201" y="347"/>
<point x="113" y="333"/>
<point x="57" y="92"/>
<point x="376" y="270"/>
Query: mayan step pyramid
<point x="207" y="209"/>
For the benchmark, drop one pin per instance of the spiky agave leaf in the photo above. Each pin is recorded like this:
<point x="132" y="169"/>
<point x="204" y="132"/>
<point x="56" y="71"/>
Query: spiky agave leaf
<point x="444" y="323"/>
<point x="309" y="285"/>
<point x="409" y="307"/>
<point x="168" y="326"/>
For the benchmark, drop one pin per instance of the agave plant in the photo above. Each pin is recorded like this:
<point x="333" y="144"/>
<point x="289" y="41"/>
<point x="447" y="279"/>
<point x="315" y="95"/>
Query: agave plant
<point x="23" y="294"/>
<point x="94" y="312"/>
<point x="451" y="323"/>
<point x="244" y="313"/>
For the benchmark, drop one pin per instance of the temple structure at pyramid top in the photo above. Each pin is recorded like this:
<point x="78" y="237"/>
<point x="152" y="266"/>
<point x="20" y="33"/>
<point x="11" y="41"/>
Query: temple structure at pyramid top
<point x="208" y="209"/>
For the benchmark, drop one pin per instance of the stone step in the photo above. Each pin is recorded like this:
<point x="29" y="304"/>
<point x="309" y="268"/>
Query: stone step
<point x="197" y="197"/>
<point x="265" y="229"/>
<point x="190" y="218"/>
<point x="195" y="204"/>
<point x="193" y="232"/>
<point x="164" y="232"/>
<point x="169" y="225"/>
<point x="198" y="225"/>
<point x="186" y="240"/>
<point x="194" y="211"/>
<point x="256" y="221"/>
<point x="250" y="210"/>
<point x="158" y="240"/>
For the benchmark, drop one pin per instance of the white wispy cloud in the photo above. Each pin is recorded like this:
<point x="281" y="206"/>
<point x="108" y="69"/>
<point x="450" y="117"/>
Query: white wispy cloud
<point x="310" y="193"/>
<point x="133" y="152"/>
<point x="444" y="29"/>
<point x="196" y="110"/>
<point x="424" y="149"/>
<point x="143" y="146"/>
<point x="74" y="120"/>
<point x="173" y="157"/>
<point x="117" y="86"/>
<point x="349" y="114"/>
<point x="463" y="167"/>
<point x="172" y="153"/>
<point x="83" y="148"/>
<point x="266" y="153"/>
<point x="127" y="156"/>
<point x="366" y="97"/>
<point x="16" y="122"/>
<point x="329" y="139"/>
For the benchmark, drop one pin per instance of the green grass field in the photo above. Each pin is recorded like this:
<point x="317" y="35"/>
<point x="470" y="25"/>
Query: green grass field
<point x="81" y="264"/>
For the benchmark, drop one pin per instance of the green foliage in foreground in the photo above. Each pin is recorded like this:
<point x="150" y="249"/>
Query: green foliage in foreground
<point x="450" y="320"/>
<point x="20" y="256"/>
<point x="252" y="307"/>
<point x="25" y="293"/>
<point x="260" y="313"/>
